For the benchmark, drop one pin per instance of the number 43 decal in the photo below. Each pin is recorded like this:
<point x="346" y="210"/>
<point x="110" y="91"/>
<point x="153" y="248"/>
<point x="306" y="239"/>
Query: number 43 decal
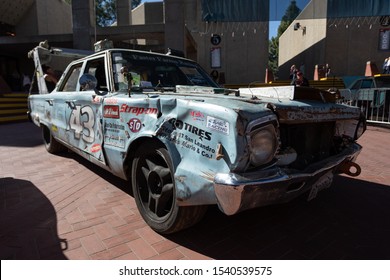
<point x="82" y="121"/>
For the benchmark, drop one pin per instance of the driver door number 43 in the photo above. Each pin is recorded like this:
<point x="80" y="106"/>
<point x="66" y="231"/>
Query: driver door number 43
<point x="82" y="121"/>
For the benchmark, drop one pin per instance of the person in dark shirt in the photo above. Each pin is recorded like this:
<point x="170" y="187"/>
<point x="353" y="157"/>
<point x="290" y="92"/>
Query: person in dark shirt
<point x="300" y="80"/>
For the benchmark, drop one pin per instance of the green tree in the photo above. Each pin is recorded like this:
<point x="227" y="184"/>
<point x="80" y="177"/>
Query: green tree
<point x="291" y="13"/>
<point x="106" y="11"/>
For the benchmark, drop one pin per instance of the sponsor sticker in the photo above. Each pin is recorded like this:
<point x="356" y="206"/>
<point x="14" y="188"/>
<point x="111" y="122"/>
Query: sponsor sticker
<point x="218" y="125"/>
<point x="54" y="128"/>
<point x="96" y="99"/>
<point x="138" y="110"/>
<point x="135" y="125"/>
<point x="178" y="124"/>
<point x="197" y="116"/>
<point x="111" y="111"/>
<point x="111" y="101"/>
<point x="95" y="148"/>
<point x="113" y="127"/>
<point x="114" y="140"/>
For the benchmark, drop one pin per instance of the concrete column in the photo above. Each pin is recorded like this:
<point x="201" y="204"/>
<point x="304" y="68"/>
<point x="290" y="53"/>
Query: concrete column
<point x="83" y="15"/>
<point x="123" y="12"/>
<point x="174" y="25"/>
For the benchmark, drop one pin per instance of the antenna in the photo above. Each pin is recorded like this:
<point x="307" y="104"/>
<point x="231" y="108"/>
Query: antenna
<point x="94" y="10"/>
<point x="255" y="97"/>
<point x="249" y="87"/>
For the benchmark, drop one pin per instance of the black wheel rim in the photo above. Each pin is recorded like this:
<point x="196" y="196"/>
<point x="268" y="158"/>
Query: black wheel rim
<point x="156" y="187"/>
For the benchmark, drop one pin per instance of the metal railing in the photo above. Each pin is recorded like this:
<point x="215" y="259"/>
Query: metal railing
<point x="373" y="102"/>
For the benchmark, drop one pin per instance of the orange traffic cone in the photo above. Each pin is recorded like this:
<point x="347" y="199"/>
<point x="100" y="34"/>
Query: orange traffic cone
<point x="371" y="69"/>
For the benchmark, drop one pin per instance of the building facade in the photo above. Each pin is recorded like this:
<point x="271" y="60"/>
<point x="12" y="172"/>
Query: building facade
<point x="344" y="34"/>
<point x="234" y="51"/>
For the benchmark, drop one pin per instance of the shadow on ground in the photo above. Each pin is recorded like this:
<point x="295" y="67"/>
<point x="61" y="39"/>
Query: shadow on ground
<point x="348" y="221"/>
<point x="14" y="135"/>
<point x="28" y="223"/>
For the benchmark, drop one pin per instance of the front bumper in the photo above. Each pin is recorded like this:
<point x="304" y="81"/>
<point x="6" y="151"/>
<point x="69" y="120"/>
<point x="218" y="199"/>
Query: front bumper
<point x="238" y="192"/>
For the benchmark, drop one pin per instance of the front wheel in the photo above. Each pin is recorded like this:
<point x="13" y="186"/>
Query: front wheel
<point x="154" y="191"/>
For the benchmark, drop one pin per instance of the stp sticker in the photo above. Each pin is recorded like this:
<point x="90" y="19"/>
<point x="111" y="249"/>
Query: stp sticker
<point x="135" y="125"/>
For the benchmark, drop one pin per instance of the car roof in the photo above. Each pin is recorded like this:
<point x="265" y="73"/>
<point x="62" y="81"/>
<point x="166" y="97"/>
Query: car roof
<point x="107" y="51"/>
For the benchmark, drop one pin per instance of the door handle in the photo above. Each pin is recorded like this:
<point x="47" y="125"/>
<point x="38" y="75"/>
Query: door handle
<point x="71" y="104"/>
<point x="49" y="101"/>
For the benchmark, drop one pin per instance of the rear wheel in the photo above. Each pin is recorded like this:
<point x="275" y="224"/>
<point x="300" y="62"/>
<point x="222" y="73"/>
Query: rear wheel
<point x="51" y="144"/>
<point x="154" y="191"/>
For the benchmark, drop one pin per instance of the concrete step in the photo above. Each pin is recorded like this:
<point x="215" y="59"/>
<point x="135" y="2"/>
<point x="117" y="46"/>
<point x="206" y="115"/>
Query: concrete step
<point x="13" y="107"/>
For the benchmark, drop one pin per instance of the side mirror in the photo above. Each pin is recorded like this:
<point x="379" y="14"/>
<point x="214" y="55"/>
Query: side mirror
<point x="88" y="82"/>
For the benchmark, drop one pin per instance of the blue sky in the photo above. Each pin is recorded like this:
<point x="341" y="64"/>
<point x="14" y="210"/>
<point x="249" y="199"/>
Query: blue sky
<point x="277" y="10"/>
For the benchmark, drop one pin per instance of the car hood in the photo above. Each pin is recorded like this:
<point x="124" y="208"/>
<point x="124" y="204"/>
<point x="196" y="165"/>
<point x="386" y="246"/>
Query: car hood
<point x="290" y="104"/>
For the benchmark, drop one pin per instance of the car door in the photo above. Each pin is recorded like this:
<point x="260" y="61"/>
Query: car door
<point x="58" y="102"/>
<point x="84" y="112"/>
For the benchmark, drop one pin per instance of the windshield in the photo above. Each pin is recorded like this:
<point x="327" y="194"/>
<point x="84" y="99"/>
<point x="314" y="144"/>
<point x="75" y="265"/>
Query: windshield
<point x="148" y="70"/>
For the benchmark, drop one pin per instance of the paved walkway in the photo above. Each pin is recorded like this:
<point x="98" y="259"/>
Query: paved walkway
<point x="62" y="207"/>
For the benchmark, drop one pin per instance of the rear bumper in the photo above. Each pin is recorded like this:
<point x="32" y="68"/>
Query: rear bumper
<point x="238" y="192"/>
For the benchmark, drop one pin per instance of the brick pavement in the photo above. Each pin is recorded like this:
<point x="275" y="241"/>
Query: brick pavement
<point x="63" y="207"/>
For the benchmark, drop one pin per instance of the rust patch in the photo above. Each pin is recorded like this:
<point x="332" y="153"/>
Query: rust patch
<point x="311" y="114"/>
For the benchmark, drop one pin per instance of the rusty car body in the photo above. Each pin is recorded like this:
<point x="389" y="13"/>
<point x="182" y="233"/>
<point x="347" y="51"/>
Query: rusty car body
<point x="183" y="143"/>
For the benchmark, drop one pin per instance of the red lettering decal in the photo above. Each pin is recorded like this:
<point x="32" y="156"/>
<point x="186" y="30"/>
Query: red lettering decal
<point x="138" y="110"/>
<point x="111" y="111"/>
<point x="123" y="108"/>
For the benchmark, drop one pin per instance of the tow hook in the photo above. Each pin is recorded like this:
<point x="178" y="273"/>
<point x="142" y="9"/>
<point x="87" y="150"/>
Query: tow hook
<point x="351" y="168"/>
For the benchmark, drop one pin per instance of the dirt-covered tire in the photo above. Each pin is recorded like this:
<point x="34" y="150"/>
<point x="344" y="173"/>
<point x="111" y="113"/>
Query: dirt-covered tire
<point x="154" y="191"/>
<point x="51" y="144"/>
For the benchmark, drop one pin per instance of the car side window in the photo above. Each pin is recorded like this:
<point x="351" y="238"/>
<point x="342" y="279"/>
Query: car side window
<point x="70" y="83"/>
<point x="366" y="84"/>
<point x="357" y="85"/>
<point x="96" y="68"/>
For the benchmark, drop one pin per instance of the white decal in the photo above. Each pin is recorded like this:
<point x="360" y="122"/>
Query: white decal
<point x="83" y="120"/>
<point x="218" y="125"/>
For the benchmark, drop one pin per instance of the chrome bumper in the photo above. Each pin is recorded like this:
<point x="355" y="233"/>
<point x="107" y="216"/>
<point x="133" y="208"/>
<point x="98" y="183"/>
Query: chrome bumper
<point x="238" y="192"/>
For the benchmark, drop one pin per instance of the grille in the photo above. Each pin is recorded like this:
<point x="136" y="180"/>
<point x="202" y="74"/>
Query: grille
<point x="312" y="142"/>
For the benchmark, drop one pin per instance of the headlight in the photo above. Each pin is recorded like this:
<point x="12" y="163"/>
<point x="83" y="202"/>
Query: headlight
<point x="263" y="145"/>
<point x="352" y="129"/>
<point x="361" y="127"/>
